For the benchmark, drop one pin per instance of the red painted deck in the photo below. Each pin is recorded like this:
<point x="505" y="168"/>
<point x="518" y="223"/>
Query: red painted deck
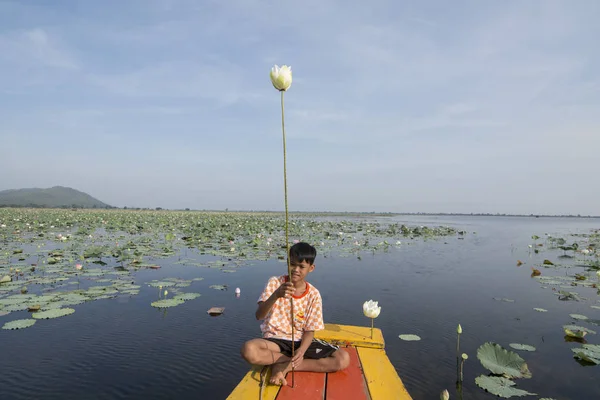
<point x="348" y="384"/>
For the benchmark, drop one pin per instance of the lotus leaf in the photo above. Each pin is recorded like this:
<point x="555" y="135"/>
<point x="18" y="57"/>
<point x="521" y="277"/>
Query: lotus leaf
<point x="5" y="278"/>
<point x="54" y="313"/>
<point x="162" y="283"/>
<point x="501" y="361"/>
<point x="525" y="347"/>
<point x="218" y="287"/>
<point x="596" y="307"/>
<point x="187" y="296"/>
<point x="540" y="310"/>
<point x="579" y="328"/>
<point x="500" y="386"/>
<point x="19" y="324"/>
<point x="578" y="316"/>
<point x="589" y="353"/>
<point x="409" y="337"/>
<point x="166" y="303"/>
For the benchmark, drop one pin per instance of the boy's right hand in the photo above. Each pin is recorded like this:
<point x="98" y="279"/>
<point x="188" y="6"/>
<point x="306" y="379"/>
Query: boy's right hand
<point x="285" y="290"/>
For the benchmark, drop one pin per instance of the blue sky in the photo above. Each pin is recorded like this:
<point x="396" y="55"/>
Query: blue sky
<point x="432" y="106"/>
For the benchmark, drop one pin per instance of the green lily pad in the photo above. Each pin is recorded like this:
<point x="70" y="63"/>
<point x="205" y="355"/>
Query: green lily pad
<point x="19" y="324"/>
<point x="540" y="310"/>
<point x="55" y="313"/>
<point x="187" y="296"/>
<point x="589" y="353"/>
<point x="166" y="303"/>
<point x="162" y="283"/>
<point x="409" y="337"/>
<point x="218" y="287"/>
<point x="578" y="316"/>
<point x="525" y="347"/>
<point x="500" y="386"/>
<point x="501" y="361"/>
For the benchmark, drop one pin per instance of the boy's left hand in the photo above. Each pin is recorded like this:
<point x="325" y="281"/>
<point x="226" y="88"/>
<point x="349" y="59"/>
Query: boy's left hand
<point x="298" y="357"/>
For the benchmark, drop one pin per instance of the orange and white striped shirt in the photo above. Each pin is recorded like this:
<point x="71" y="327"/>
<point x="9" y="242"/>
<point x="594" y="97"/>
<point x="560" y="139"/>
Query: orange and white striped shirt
<point x="308" y="312"/>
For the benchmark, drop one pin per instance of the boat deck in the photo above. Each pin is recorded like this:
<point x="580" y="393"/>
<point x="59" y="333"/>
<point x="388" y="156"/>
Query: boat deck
<point x="370" y="375"/>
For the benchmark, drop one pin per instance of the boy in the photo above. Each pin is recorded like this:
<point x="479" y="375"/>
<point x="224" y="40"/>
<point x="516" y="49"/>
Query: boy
<point x="275" y="348"/>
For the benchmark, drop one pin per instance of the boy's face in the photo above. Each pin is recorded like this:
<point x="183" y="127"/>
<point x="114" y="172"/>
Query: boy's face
<point x="300" y="270"/>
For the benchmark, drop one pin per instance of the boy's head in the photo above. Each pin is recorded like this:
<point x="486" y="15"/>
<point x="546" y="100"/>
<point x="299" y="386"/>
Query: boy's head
<point x="302" y="252"/>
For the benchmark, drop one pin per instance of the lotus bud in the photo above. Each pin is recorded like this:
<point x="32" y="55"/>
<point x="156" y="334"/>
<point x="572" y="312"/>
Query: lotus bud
<point x="166" y="292"/>
<point x="371" y="309"/>
<point x="281" y="78"/>
<point x="459" y="329"/>
<point x="465" y="356"/>
<point x="78" y="266"/>
<point x="445" y="395"/>
<point x="237" y="290"/>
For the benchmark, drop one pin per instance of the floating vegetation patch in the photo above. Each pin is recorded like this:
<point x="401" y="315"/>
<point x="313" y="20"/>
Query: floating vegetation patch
<point x="218" y="287"/>
<point x="540" y="309"/>
<point x="187" y="296"/>
<point x="502" y="362"/>
<point x="54" y="313"/>
<point x="578" y="316"/>
<point x="19" y="324"/>
<point x="166" y="303"/>
<point x="409" y="337"/>
<point x="589" y="353"/>
<point x="500" y="386"/>
<point x="524" y="347"/>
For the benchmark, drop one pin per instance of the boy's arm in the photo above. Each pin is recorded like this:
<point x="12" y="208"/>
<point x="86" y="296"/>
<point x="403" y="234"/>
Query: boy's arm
<point x="285" y="290"/>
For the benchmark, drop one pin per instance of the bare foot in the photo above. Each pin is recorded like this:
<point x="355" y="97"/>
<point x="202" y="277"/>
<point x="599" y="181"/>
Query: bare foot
<point x="278" y="374"/>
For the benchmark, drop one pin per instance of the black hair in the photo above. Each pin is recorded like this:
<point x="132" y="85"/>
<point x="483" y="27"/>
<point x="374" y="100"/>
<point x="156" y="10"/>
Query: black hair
<point x="303" y="252"/>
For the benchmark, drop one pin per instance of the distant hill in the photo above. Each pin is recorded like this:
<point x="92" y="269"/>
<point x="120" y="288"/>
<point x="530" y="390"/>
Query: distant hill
<point x="54" y="197"/>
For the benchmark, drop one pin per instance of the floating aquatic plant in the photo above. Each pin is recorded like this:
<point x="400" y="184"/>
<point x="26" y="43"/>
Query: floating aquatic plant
<point x="502" y="362"/>
<point x="19" y="324"/>
<point x="409" y="337"/>
<point x="166" y="303"/>
<point x="525" y="347"/>
<point x="55" y="313"/>
<point x="500" y="386"/>
<point x="589" y="353"/>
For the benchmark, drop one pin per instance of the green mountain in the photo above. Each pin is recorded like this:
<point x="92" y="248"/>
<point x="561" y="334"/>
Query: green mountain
<point x="54" y="197"/>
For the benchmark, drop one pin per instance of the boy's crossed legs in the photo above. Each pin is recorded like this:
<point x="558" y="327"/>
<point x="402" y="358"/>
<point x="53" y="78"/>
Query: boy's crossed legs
<point x="320" y="357"/>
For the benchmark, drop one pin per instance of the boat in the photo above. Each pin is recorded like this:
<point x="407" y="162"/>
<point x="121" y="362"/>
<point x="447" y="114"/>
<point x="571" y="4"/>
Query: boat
<point x="370" y="375"/>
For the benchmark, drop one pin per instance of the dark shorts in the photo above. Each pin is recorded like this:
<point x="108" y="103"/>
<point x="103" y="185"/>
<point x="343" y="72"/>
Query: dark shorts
<point x="317" y="349"/>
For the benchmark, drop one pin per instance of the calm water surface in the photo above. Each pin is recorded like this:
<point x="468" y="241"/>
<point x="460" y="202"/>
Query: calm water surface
<point x="125" y="349"/>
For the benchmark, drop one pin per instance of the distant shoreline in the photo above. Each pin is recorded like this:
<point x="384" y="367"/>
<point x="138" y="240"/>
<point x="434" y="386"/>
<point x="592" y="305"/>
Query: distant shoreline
<point x="330" y="213"/>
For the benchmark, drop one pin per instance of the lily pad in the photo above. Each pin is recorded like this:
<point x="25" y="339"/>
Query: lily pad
<point x="578" y="316"/>
<point x="187" y="296"/>
<point x="218" y="287"/>
<point x="500" y="386"/>
<point x="518" y="346"/>
<point x="19" y="324"/>
<point x="55" y="313"/>
<point x="162" y="283"/>
<point x="589" y="353"/>
<point x="540" y="310"/>
<point x="166" y="303"/>
<point x="501" y="361"/>
<point x="409" y="337"/>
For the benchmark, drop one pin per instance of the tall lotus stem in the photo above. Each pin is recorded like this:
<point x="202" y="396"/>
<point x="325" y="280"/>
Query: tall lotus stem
<point x="287" y="234"/>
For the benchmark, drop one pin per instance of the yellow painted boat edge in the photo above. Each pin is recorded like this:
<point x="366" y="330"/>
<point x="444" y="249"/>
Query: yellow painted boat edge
<point x="350" y="335"/>
<point x="249" y="386"/>
<point x="381" y="376"/>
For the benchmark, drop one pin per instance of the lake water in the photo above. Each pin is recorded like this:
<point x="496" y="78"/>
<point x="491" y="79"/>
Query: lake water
<point x="125" y="349"/>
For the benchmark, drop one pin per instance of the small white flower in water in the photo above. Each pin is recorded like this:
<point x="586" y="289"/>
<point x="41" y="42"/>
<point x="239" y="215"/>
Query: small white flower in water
<point x="231" y="242"/>
<point x="233" y="249"/>
<point x="166" y="292"/>
<point x="530" y="246"/>
<point x="445" y="395"/>
<point x="356" y="243"/>
<point x="78" y="266"/>
<point x="459" y="329"/>
<point x="585" y="252"/>
<point x="51" y="226"/>
<point x="2" y="226"/>
<point x="322" y="243"/>
<point x="341" y="233"/>
<point x="296" y="241"/>
<point x="237" y="290"/>
<point x="160" y="287"/>
<point x="398" y="243"/>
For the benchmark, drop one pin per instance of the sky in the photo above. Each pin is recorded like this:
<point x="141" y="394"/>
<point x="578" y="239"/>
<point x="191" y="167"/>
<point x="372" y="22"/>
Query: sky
<point x="429" y="106"/>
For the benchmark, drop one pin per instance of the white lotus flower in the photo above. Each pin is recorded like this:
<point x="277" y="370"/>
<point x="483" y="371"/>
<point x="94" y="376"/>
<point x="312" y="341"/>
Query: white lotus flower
<point x="370" y="309"/>
<point x="459" y="329"/>
<point x="445" y="395"/>
<point x="281" y="78"/>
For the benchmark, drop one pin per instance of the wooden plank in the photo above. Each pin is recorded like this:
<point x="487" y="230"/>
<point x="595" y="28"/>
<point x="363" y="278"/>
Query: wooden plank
<point x="249" y="386"/>
<point x="307" y="386"/>
<point x="348" y="335"/>
<point x="349" y="383"/>
<point x="381" y="376"/>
